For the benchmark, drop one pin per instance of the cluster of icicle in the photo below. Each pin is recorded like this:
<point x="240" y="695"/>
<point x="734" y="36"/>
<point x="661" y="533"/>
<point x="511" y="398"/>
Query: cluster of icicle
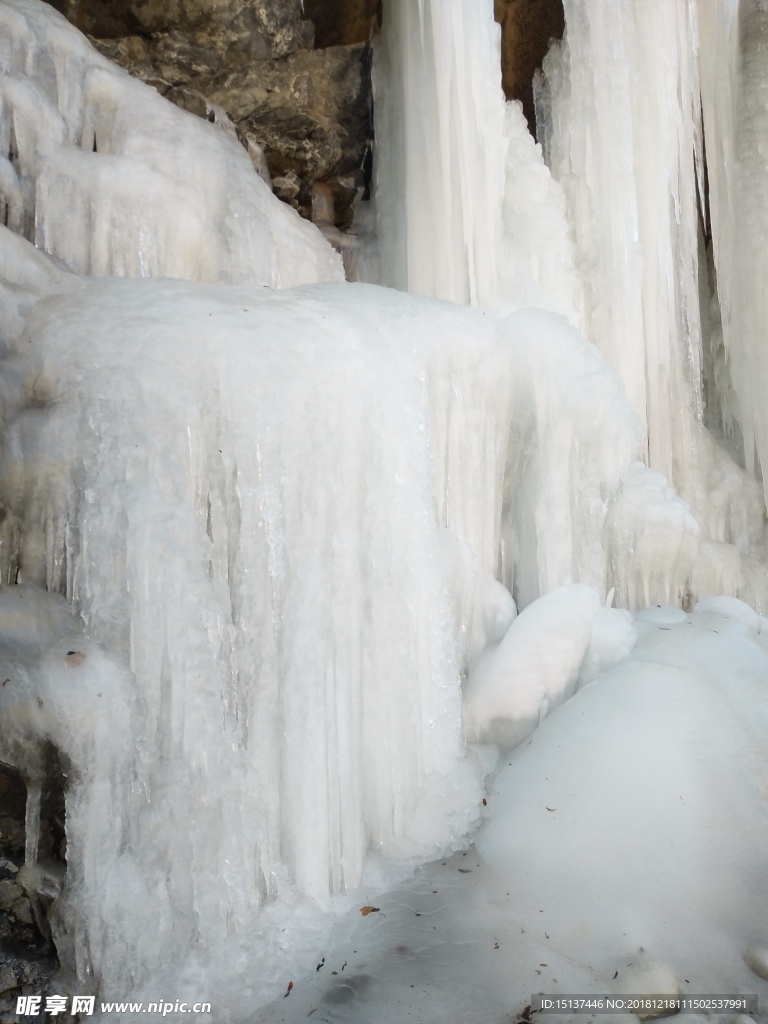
<point x="622" y="219"/>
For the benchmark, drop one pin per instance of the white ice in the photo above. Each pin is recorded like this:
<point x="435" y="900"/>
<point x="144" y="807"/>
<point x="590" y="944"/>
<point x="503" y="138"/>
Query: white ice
<point x="271" y="545"/>
<point x="185" y="481"/>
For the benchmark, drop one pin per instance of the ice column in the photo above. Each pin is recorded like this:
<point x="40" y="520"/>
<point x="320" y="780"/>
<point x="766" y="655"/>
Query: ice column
<point x="623" y="102"/>
<point x="439" y="138"/>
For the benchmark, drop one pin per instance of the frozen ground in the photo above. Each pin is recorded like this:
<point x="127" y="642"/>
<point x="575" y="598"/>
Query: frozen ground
<point x="622" y="851"/>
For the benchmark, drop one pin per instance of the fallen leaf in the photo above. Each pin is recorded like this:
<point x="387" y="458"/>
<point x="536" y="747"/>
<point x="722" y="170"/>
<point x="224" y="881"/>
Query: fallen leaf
<point x="465" y="871"/>
<point x="365" y="911"/>
<point x="321" y="964"/>
<point x="288" y="990"/>
<point x="550" y="808"/>
<point x="615" y="976"/>
<point x="312" y="1011"/>
<point x="485" y="802"/>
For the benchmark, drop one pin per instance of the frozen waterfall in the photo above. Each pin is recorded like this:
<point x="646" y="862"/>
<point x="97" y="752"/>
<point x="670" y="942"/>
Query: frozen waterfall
<point x="265" y="532"/>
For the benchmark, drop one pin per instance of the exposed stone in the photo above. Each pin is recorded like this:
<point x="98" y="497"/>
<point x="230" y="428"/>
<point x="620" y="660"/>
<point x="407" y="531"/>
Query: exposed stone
<point x="527" y="27"/>
<point x="233" y="29"/>
<point x="343" y="22"/>
<point x="303" y="115"/>
<point x="28" y="961"/>
<point x="27" y="975"/>
<point x="287" y="187"/>
<point x="311" y="114"/>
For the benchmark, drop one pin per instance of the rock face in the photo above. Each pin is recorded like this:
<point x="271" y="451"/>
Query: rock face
<point x="27" y="960"/>
<point x="343" y="22"/>
<point x="252" y="62"/>
<point x="230" y="29"/>
<point x="311" y="113"/>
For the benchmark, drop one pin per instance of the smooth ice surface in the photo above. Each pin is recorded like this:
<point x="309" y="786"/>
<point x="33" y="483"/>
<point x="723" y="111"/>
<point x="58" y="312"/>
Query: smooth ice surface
<point x="102" y="172"/>
<point x="534" y="667"/>
<point x="621" y="851"/>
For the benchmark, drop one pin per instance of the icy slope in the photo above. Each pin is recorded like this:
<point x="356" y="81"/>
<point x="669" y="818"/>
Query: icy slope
<point x="102" y="172"/>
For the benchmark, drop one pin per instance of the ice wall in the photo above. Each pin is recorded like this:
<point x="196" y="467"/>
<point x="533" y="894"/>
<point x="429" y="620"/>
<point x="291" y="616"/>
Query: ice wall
<point x="620" y="119"/>
<point x="281" y="513"/>
<point x="623" y="139"/>
<point x="99" y="170"/>
<point x="439" y="128"/>
<point x="733" y="87"/>
<point x="290" y="524"/>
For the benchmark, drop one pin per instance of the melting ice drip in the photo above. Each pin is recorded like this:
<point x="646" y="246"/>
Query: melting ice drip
<point x="289" y="518"/>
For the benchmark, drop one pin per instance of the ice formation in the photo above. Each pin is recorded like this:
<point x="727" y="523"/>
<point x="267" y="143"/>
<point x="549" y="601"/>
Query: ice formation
<point x="466" y="209"/>
<point x="259" y="545"/>
<point x="612" y="238"/>
<point x="80" y="141"/>
<point x="538" y="662"/>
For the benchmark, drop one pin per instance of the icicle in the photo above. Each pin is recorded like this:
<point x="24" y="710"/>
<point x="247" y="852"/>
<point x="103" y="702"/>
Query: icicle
<point x="439" y="145"/>
<point x="623" y="94"/>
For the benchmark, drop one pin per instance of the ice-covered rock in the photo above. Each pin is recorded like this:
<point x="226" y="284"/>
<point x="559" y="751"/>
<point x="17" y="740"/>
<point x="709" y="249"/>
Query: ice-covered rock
<point x="105" y="174"/>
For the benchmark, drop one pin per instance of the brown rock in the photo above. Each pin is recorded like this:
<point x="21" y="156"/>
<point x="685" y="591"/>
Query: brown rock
<point x="343" y="22"/>
<point x="234" y="29"/>
<point x="311" y="114"/>
<point x="304" y="115"/>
